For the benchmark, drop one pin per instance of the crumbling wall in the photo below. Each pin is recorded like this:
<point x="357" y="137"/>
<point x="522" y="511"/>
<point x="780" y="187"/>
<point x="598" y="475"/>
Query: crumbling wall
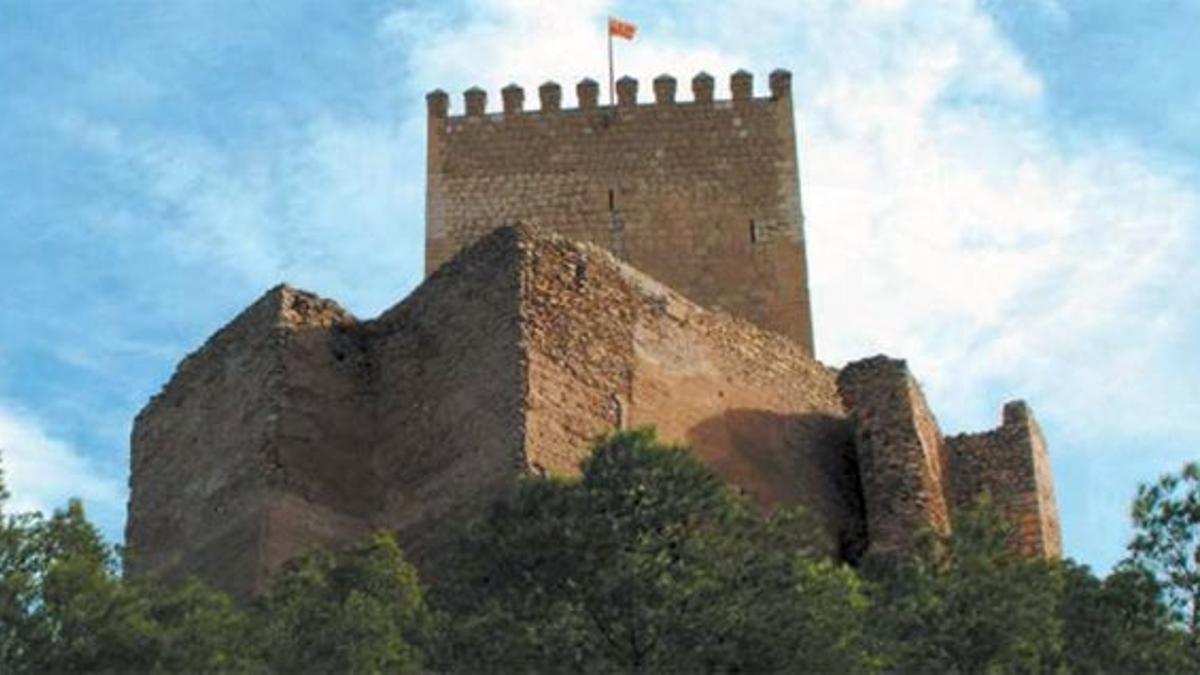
<point x="323" y="492"/>
<point x="296" y="426"/>
<point x="578" y="317"/>
<point x="248" y="455"/>
<point x="914" y="478"/>
<point x="701" y="195"/>
<point x="901" y="454"/>
<point x="451" y="384"/>
<point x="609" y="347"/>
<point x="1012" y="466"/>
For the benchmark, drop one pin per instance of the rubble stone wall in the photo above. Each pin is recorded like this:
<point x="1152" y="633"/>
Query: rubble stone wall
<point x="298" y="426"/>
<point x="254" y="417"/>
<point x="450" y="382"/>
<point x="609" y="348"/>
<point x="901" y="454"/>
<point x="1012" y="466"/>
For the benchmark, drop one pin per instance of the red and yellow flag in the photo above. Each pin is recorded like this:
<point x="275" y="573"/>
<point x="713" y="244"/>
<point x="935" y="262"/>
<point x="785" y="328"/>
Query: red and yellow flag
<point x="621" y="29"/>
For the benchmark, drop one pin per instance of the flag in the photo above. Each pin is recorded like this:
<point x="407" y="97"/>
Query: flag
<point x="621" y="29"/>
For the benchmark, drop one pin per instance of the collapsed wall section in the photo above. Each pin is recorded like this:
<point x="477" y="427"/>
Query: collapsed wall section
<point x="1011" y="465"/>
<point x="901" y="454"/>
<point x="702" y="195"/>
<point x="608" y="347"/>
<point x="913" y="477"/>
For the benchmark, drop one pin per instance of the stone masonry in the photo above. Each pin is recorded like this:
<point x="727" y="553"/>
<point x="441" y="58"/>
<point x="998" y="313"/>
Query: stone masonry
<point x="702" y="195"/>
<point x="298" y="425"/>
<point x="913" y="476"/>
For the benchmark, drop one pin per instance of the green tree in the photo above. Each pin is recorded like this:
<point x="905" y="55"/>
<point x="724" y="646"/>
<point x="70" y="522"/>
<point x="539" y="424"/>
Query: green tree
<point x="361" y="611"/>
<point x="647" y="562"/>
<point x="1166" y="541"/>
<point x="18" y="580"/>
<point x="67" y="612"/>
<point x="1120" y="624"/>
<point x="65" y="609"/>
<point x="967" y="603"/>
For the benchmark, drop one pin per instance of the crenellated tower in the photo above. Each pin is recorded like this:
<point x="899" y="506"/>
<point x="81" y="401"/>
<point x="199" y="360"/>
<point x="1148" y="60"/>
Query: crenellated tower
<point x="703" y="195"/>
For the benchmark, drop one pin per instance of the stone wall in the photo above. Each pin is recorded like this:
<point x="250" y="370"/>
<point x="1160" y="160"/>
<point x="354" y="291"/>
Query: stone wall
<point x="450" y="383"/>
<point x="701" y="195"/>
<point x="901" y="455"/>
<point x="1012" y="466"/>
<point x="298" y="426"/>
<point x="609" y="347"/>
<point x="914" y="477"/>
<point x="260" y="432"/>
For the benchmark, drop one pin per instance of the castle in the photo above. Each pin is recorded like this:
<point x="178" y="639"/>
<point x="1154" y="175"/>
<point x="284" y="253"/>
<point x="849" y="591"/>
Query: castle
<point x="588" y="269"/>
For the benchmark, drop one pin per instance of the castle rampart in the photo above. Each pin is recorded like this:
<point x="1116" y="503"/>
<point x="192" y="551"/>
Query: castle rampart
<point x="259" y="440"/>
<point x="297" y="425"/>
<point x="703" y="195"/>
<point x="901" y="455"/>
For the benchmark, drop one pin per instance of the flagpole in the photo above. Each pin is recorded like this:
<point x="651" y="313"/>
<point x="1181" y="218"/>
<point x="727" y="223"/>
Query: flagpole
<point x="608" y="29"/>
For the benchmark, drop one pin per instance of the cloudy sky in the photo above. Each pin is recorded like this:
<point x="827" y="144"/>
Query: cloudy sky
<point x="1003" y="192"/>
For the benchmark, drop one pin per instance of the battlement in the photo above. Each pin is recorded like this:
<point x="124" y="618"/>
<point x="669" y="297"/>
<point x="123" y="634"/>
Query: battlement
<point x="587" y="95"/>
<point x="703" y="195"/>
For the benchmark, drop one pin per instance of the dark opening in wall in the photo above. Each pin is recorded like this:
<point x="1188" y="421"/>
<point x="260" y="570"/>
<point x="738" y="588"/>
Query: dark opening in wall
<point x="754" y="234"/>
<point x="612" y="202"/>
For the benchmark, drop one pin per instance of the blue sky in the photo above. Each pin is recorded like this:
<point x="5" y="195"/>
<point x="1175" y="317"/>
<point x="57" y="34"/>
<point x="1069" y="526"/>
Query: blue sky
<point x="1005" y="193"/>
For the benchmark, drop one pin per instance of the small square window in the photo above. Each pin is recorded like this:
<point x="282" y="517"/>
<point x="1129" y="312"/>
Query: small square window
<point x="756" y="232"/>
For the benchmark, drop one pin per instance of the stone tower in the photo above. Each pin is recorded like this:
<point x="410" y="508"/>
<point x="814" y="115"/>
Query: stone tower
<point x="703" y="195"/>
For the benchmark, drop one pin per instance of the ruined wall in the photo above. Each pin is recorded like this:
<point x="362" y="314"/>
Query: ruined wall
<point x="609" y="347"/>
<point x="1011" y="464"/>
<point x="451" y="386"/>
<point x="578" y="314"/>
<point x="914" y="477"/>
<point x="297" y="426"/>
<point x="701" y="195"/>
<point x="251" y="436"/>
<point x="901" y="454"/>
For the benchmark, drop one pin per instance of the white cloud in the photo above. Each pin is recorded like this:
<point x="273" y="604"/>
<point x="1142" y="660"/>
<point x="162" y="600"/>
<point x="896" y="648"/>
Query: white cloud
<point x="42" y="472"/>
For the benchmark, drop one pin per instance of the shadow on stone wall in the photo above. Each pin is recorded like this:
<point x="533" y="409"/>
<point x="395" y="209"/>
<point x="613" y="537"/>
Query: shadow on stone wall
<point x="778" y="459"/>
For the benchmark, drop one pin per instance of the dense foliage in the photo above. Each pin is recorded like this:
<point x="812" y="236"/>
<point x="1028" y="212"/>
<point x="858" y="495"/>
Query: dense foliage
<point x="646" y="562"/>
<point x="64" y="609"/>
<point x="1166" y="520"/>
<point x="967" y="603"/>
